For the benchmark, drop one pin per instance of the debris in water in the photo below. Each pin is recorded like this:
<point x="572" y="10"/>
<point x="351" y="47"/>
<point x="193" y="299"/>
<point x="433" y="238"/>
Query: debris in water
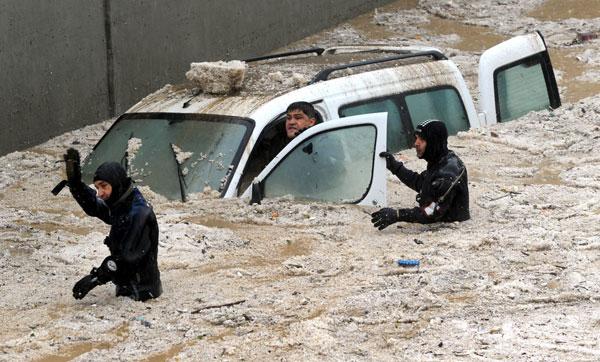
<point x="217" y="77"/>
<point x="143" y="321"/>
<point x="584" y="37"/>
<point x="276" y="77"/>
<point x="408" y="262"/>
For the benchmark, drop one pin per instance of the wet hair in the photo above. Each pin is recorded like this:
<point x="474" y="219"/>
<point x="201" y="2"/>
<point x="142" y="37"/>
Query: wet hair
<point x="307" y="109"/>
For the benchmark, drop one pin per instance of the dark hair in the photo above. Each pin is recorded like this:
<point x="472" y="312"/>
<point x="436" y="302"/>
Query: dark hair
<point x="307" y="109"/>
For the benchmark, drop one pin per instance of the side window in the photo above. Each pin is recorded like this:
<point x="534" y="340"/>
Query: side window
<point x="443" y="104"/>
<point x="520" y="88"/>
<point x="332" y="166"/>
<point x="397" y="136"/>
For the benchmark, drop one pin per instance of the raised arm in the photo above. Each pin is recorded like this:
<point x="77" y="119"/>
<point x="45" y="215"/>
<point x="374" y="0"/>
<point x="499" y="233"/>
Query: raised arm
<point x="83" y="194"/>
<point x="89" y="202"/>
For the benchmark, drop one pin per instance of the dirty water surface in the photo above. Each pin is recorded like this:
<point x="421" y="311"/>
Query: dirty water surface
<point x="472" y="38"/>
<point x="286" y="280"/>
<point x="566" y="9"/>
<point x="566" y="61"/>
<point x="576" y="76"/>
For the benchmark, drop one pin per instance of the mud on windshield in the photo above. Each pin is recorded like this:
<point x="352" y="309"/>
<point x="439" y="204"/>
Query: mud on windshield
<point x="174" y="154"/>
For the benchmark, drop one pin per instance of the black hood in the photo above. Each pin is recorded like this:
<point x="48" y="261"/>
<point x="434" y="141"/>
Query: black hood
<point x="436" y="135"/>
<point x="116" y="176"/>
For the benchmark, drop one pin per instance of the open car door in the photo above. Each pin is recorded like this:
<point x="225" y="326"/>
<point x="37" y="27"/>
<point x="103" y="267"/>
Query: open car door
<point x="336" y="161"/>
<point x="516" y="77"/>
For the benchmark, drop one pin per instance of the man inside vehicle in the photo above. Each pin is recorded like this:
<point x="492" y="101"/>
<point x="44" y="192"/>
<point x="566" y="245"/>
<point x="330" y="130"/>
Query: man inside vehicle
<point x="443" y="193"/>
<point x="133" y="239"/>
<point x="299" y="117"/>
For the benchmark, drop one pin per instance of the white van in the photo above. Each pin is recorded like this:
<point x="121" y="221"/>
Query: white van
<point x="178" y="141"/>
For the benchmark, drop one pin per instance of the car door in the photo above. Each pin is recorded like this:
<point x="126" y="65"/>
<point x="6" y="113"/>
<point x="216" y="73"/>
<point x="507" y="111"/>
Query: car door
<point x="336" y="161"/>
<point x="516" y="77"/>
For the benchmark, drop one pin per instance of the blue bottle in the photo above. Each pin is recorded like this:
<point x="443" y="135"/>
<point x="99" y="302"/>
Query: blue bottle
<point x="408" y="262"/>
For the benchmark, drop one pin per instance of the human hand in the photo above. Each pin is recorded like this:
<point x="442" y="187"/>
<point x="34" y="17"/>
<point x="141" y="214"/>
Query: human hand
<point x="390" y="161"/>
<point x="384" y="218"/>
<point x="84" y="285"/>
<point x="73" y="166"/>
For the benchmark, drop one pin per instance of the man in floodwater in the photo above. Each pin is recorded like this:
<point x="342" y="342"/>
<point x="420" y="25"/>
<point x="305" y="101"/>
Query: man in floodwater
<point x="443" y="191"/>
<point x="133" y="239"/>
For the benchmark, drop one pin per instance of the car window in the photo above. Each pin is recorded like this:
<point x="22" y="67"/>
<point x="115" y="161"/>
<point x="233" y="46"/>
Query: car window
<point x="268" y="145"/>
<point x="521" y="88"/>
<point x="443" y="104"/>
<point x="398" y="138"/>
<point x="263" y="152"/>
<point x="332" y="166"/>
<point x="174" y="154"/>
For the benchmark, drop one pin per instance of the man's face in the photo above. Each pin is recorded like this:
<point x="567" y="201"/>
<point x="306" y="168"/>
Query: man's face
<point x="296" y="121"/>
<point x="420" y="146"/>
<point x="103" y="189"/>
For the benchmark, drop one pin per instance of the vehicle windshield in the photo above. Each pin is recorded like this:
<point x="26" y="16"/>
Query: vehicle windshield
<point x="174" y="154"/>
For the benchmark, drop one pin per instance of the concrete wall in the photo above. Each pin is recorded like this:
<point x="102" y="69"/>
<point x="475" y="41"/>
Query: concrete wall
<point x="51" y="77"/>
<point x="68" y="63"/>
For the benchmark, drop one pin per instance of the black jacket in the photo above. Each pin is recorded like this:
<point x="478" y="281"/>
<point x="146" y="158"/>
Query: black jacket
<point x="133" y="240"/>
<point x="433" y="184"/>
<point x="265" y="152"/>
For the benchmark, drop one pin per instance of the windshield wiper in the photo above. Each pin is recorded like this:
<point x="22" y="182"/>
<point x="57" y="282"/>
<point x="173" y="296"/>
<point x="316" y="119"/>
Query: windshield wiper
<point x="179" y="175"/>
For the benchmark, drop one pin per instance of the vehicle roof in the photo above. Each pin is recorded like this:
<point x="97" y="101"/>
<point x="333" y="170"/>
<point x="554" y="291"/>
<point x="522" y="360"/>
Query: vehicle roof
<point x="171" y="99"/>
<point x="271" y="78"/>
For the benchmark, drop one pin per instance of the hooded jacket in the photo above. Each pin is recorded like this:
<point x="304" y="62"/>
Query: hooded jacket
<point x="444" y="182"/>
<point x="133" y="236"/>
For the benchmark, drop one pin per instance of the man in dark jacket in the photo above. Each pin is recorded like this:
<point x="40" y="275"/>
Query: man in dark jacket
<point x="133" y="239"/>
<point x="443" y="191"/>
<point x="299" y="116"/>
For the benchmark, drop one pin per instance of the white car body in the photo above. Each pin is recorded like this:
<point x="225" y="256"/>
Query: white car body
<point x="391" y="86"/>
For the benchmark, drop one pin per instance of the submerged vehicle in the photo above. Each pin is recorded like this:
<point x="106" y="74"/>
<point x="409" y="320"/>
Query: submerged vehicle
<point x="179" y="141"/>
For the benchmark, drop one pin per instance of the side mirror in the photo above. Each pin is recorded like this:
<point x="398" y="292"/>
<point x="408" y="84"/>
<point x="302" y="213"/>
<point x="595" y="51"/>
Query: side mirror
<point x="257" y="193"/>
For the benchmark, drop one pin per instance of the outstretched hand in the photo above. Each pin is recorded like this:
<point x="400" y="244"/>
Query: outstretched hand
<point x="384" y="218"/>
<point x="390" y="161"/>
<point x="84" y="285"/>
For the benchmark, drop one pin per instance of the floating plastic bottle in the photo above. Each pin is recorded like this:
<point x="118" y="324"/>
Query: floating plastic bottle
<point x="408" y="263"/>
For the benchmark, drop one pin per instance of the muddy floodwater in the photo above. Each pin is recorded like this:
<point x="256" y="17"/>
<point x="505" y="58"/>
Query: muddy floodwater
<point x="289" y="280"/>
<point x="566" y="9"/>
<point x="461" y="28"/>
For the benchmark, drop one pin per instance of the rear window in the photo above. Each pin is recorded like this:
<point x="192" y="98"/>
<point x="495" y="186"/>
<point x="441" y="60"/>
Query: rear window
<point x="521" y="88"/>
